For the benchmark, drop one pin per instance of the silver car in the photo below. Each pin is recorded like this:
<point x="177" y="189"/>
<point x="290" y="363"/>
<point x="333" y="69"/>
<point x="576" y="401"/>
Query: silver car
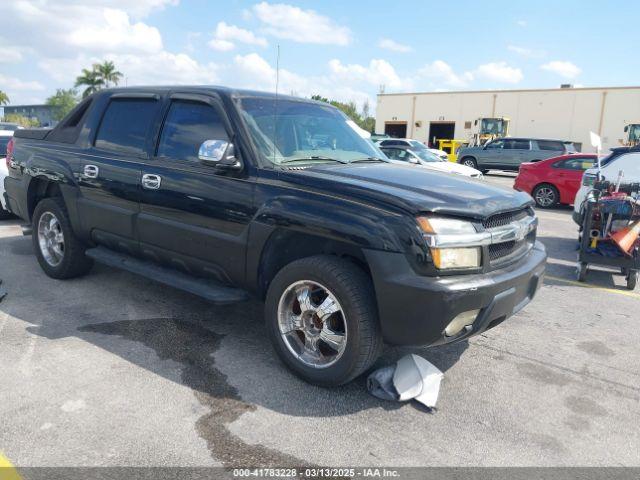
<point x="509" y="153"/>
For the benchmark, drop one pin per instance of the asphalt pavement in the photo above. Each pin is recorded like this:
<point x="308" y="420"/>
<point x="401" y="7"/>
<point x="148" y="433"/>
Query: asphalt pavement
<point x="112" y="369"/>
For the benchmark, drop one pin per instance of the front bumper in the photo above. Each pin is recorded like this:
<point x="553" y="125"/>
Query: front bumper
<point x="415" y="310"/>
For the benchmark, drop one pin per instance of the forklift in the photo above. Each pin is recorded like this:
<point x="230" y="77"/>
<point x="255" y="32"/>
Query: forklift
<point x="486" y="129"/>
<point x="631" y="135"/>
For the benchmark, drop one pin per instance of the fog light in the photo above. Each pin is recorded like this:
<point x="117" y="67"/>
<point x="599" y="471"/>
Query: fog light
<point x="463" y="320"/>
<point x="444" y="258"/>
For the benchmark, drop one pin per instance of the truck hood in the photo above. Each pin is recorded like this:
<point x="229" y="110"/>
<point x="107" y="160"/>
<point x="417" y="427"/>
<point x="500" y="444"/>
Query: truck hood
<point x="450" y="167"/>
<point x="413" y="189"/>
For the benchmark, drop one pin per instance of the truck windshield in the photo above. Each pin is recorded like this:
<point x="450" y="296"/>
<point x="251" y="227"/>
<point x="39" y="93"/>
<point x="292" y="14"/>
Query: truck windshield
<point x="291" y="131"/>
<point x="492" y="126"/>
<point x="634" y="133"/>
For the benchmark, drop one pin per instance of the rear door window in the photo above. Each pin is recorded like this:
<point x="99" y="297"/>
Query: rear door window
<point x="187" y="126"/>
<point x="550" y="145"/>
<point x="578" y="163"/>
<point x="125" y="124"/>
<point x="516" y="144"/>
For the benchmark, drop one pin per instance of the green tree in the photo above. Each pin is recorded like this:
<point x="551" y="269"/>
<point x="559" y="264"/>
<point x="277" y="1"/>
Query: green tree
<point x="63" y="101"/>
<point x="4" y="98"/>
<point x="101" y="75"/>
<point x="21" y="120"/>
<point x="107" y="71"/>
<point x="363" y="118"/>
<point x="91" y="80"/>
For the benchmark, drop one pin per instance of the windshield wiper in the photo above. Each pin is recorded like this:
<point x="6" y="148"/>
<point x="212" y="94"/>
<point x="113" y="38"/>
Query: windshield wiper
<point x="313" y="157"/>
<point x="367" y="159"/>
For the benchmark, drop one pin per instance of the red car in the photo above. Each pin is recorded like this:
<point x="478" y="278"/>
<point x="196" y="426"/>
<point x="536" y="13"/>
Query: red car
<point x="555" y="180"/>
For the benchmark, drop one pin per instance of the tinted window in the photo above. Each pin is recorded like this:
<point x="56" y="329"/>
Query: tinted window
<point x="516" y="144"/>
<point x="188" y="124"/>
<point x="396" y="154"/>
<point x="578" y="163"/>
<point x="125" y="124"/>
<point x="495" y="145"/>
<point x="400" y="154"/>
<point x="389" y="143"/>
<point x="550" y="145"/>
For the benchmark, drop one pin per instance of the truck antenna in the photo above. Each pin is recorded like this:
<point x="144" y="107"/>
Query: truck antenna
<point x="275" y="107"/>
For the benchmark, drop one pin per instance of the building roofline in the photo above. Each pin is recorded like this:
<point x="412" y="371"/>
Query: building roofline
<point x="509" y="91"/>
<point x="28" y="105"/>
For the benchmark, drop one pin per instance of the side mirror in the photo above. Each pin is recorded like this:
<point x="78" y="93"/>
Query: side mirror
<point x="626" y="128"/>
<point x="218" y="153"/>
<point x="413" y="160"/>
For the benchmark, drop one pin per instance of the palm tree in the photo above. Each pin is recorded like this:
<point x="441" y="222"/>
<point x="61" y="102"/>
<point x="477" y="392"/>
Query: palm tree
<point x="91" y="79"/>
<point x="4" y="98"/>
<point x="107" y="71"/>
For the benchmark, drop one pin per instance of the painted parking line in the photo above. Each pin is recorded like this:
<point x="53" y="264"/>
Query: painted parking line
<point x="7" y="470"/>
<point x="628" y="293"/>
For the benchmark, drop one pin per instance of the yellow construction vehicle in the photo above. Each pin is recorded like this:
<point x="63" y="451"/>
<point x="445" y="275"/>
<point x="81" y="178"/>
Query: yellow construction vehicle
<point x="632" y="134"/>
<point x="451" y="147"/>
<point x="486" y="129"/>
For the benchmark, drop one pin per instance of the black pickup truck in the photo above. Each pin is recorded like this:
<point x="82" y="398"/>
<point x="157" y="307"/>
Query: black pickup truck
<point x="228" y="193"/>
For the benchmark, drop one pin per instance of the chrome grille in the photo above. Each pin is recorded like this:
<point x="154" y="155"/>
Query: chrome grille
<point x="505" y="218"/>
<point x="499" y="250"/>
<point x="503" y="252"/>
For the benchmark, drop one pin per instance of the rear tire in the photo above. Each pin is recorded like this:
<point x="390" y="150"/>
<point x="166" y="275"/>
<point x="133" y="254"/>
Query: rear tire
<point x="546" y="195"/>
<point x="354" y="319"/>
<point x="632" y="279"/>
<point x="59" y="252"/>
<point x="581" y="271"/>
<point x="469" y="162"/>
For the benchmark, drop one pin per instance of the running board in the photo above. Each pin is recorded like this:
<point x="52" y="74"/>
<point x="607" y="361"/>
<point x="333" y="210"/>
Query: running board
<point x="212" y="291"/>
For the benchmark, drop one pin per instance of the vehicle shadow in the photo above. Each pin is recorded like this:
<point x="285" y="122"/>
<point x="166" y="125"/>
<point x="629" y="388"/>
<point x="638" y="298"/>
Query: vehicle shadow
<point x="223" y="351"/>
<point x="561" y="248"/>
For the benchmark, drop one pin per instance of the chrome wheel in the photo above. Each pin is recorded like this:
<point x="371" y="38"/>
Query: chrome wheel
<point x="312" y="324"/>
<point x="51" y="239"/>
<point x="545" y="196"/>
<point x="469" y="163"/>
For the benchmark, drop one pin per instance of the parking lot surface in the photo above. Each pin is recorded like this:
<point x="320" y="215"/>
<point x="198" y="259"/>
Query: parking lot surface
<point x="111" y="369"/>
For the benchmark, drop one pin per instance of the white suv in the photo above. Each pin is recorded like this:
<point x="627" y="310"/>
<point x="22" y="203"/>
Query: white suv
<point x="629" y="163"/>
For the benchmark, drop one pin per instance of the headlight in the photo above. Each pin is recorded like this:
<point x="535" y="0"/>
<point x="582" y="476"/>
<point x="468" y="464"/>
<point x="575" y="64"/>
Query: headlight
<point x="439" y="231"/>
<point x="445" y="226"/>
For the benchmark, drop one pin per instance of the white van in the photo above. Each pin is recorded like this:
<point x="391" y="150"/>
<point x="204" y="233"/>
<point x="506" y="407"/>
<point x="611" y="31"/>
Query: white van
<point x="629" y="163"/>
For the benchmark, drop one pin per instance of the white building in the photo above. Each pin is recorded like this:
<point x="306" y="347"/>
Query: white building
<point x="563" y="113"/>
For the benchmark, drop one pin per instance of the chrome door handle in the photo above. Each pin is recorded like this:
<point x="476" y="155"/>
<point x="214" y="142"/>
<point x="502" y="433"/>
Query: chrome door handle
<point x="91" y="171"/>
<point x="151" y="182"/>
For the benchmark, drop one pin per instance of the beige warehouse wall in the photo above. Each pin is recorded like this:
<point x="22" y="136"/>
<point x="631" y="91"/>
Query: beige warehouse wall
<point x="567" y="114"/>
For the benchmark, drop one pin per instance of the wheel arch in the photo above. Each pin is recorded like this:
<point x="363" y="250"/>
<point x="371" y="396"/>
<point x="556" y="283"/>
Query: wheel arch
<point x="540" y="184"/>
<point x="285" y="246"/>
<point x="38" y="189"/>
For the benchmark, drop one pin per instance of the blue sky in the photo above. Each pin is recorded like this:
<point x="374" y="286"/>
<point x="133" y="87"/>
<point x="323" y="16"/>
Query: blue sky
<point x="343" y="50"/>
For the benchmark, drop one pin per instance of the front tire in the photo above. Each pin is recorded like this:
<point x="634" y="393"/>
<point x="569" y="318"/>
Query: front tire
<point x="469" y="162"/>
<point x="546" y="195"/>
<point x="322" y="319"/>
<point x="59" y="252"/>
